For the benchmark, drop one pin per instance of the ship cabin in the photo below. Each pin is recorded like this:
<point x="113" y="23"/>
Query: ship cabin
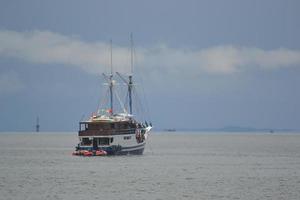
<point x="102" y="133"/>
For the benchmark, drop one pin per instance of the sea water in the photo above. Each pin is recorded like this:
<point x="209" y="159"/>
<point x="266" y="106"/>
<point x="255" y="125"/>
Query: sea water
<point x="37" y="166"/>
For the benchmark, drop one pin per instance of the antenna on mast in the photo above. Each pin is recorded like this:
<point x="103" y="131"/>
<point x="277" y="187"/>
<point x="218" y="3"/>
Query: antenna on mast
<point x="131" y="45"/>
<point x="111" y="63"/>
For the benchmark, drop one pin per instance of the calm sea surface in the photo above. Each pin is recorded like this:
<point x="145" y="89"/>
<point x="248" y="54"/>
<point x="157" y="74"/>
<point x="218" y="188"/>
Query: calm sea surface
<point x="174" y="166"/>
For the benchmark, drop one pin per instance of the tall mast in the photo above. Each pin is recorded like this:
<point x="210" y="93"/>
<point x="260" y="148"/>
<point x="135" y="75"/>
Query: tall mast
<point x="131" y="48"/>
<point x="130" y="77"/>
<point x="111" y="63"/>
<point x="130" y="84"/>
<point x="111" y="80"/>
<point x="130" y="94"/>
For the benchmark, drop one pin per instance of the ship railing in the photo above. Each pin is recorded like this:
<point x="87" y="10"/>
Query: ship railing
<point x="108" y="132"/>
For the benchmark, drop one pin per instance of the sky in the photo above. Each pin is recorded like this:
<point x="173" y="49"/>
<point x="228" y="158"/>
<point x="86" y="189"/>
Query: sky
<point x="198" y="63"/>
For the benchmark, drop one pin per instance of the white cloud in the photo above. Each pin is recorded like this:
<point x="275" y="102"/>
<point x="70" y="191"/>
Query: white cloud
<point x="48" y="47"/>
<point x="223" y="59"/>
<point x="10" y="83"/>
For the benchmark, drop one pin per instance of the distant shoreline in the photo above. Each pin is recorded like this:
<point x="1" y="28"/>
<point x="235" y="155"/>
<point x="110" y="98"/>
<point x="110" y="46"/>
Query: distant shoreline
<point x="229" y="129"/>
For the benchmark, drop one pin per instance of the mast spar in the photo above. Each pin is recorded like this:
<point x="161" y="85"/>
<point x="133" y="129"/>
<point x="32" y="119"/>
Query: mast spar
<point x="130" y="84"/>
<point x="111" y="80"/>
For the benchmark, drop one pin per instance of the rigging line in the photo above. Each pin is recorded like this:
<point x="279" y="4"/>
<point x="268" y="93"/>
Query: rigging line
<point x="111" y="59"/>
<point x="140" y="105"/>
<point x="104" y="100"/>
<point x="144" y="99"/>
<point x="137" y="106"/>
<point x="143" y="91"/>
<point x="139" y="101"/>
<point x="126" y="100"/>
<point x="120" y="102"/>
<point x="82" y="117"/>
<point x="133" y="55"/>
<point x="100" y="103"/>
<point x="95" y="98"/>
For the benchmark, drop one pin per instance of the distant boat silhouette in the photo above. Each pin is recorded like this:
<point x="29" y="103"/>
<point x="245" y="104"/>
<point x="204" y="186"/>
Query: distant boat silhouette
<point x="170" y="130"/>
<point x="37" y="126"/>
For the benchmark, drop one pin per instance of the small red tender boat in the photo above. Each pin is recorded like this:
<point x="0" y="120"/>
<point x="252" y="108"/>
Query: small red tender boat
<point x="89" y="153"/>
<point x="100" y="153"/>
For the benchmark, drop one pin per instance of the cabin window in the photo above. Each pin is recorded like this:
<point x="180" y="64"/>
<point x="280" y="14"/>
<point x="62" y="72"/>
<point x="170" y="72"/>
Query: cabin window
<point x="82" y="127"/>
<point x="103" y="141"/>
<point x="127" y="137"/>
<point x="124" y="126"/>
<point x="106" y="126"/>
<point x="93" y="126"/>
<point x="86" y="141"/>
<point x="90" y="126"/>
<point x="112" y="125"/>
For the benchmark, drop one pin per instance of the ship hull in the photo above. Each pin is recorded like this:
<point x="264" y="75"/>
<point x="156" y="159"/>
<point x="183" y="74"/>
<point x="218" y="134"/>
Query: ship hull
<point x="134" y="150"/>
<point x="119" y="150"/>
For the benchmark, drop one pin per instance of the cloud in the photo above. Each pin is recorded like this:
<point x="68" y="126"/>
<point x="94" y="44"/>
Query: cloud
<point x="10" y="83"/>
<point x="224" y="59"/>
<point x="46" y="47"/>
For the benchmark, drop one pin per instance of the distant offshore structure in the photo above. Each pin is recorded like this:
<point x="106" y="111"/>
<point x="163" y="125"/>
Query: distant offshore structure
<point x="37" y="126"/>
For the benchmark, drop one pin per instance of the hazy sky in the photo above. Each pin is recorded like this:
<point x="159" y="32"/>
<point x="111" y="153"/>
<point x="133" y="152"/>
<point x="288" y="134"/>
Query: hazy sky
<point x="203" y="63"/>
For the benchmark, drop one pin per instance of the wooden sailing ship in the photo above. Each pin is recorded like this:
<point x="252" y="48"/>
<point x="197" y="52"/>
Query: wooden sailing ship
<point x="110" y="132"/>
